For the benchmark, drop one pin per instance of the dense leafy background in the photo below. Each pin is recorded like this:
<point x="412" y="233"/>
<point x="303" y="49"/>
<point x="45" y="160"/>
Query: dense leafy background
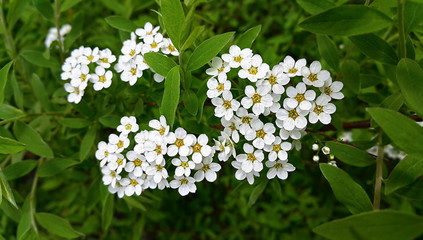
<point x="56" y="181"/>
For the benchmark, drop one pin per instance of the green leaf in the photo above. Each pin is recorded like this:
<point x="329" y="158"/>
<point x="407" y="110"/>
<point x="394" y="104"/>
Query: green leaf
<point x="248" y="37"/>
<point x="17" y="93"/>
<point x="131" y="201"/>
<point x="76" y="123"/>
<point x="24" y="224"/>
<point x="170" y="99"/>
<point x="34" y="143"/>
<point x="10" y="210"/>
<point x="190" y="102"/>
<point x="405" y="172"/>
<point x="257" y="191"/>
<point x="328" y="51"/>
<point x="346" y="190"/>
<point x="55" y="166"/>
<point x="159" y="62"/>
<point x="8" y="112"/>
<point x="7" y="191"/>
<point x="350" y="155"/>
<point x="347" y="20"/>
<point x="394" y="101"/>
<point x="57" y="225"/>
<point x="403" y="131"/>
<point x="412" y="15"/>
<point x="376" y="225"/>
<point x="9" y="146"/>
<point x="4" y="72"/>
<point x="121" y="23"/>
<point x="173" y="19"/>
<point x="40" y="92"/>
<point x="409" y="76"/>
<point x="314" y="7"/>
<point x="75" y="32"/>
<point x="413" y="191"/>
<point x="192" y="37"/>
<point x="68" y="4"/>
<point x="107" y="211"/>
<point x="207" y="50"/>
<point x="87" y="143"/>
<point x="111" y="121"/>
<point x="351" y="75"/>
<point x="45" y="8"/>
<point x="19" y="169"/>
<point x="16" y="9"/>
<point x="37" y="58"/>
<point x="376" y="48"/>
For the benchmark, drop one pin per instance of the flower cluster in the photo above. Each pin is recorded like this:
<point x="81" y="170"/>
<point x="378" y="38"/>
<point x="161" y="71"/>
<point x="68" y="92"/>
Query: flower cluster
<point x="266" y="95"/>
<point x="87" y="64"/>
<point x="130" y="168"/>
<point x="131" y="63"/>
<point x="53" y="35"/>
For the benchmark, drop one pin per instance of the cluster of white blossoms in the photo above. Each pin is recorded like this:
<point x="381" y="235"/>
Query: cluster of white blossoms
<point x="271" y="116"/>
<point x="130" y="168"/>
<point x="54" y="36"/>
<point x="87" y="64"/>
<point x="131" y="63"/>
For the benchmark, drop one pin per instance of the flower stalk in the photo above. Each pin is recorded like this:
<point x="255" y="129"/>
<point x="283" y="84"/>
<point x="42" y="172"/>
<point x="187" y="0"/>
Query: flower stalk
<point x="378" y="180"/>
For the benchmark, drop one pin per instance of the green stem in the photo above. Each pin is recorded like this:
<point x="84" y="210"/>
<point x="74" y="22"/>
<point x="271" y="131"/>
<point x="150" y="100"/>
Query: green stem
<point x="4" y="163"/>
<point x="378" y="180"/>
<point x="32" y="203"/>
<point x="367" y="3"/>
<point x="401" y="30"/>
<point x="59" y="38"/>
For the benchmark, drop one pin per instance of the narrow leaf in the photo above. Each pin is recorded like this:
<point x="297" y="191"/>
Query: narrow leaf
<point x="68" y="4"/>
<point x="76" y="123"/>
<point x="207" y="50"/>
<point x="9" y="146"/>
<point x="248" y="37"/>
<point x="170" y="99"/>
<point x="4" y="72"/>
<point x="346" y="190"/>
<point x="173" y="19"/>
<point x="8" y="112"/>
<point x="40" y="92"/>
<point x="45" y="8"/>
<point x="257" y="191"/>
<point x="314" y="7"/>
<point x="409" y="76"/>
<point x="192" y="37"/>
<point x="376" y="48"/>
<point x="405" y="172"/>
<point x="7" y="191"/>
<point x="107" y="211"/>
<point x="19" y="169"/>
<point x="56" y="225"/>
<point x="34" y="143"/>
<point x="87" y="143"/>
<point x="350" y="155"/>
<point x="328" y="51"/>
<point x="159" y="62"/>
<point x="351" y="75"/>
<point x="190" y="102"/>
<point x="37" y="58"/>
<point x="55" y="166"/>
<point x="121" y="23"/>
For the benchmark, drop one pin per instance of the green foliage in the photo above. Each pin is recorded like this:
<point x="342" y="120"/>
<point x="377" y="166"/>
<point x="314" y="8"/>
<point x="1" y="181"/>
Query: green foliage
<point x="159" y="63"/>
<point x="409" y="74"/>
<point x="170" y="99"/>
<point x="121" y="23"/>
<point x="8" y="146"/>
<point x="4" y="72"/>
<point x="248" y="37"/>
<point x="376" y="48"/>
<point x="56" y="225"/>
<point x="33" y="141"/>
<point x="351" y="75"/>
<point x="405" y="173"/>
<point x="19" y="169"/>
<point x="173" y="19"/>
<point x="327" y="50"/>
<point x="350" y="155"/>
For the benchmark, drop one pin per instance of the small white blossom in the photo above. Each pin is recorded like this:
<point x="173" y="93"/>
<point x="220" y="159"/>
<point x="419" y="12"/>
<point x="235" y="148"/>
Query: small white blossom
<point x="218" y="67"/>
<point x="130" y="49"/>
<point x="241" y="175"/>
<point x="148" y="32"/>
<point x="152" y="44"/>
<point x="322" y="110"/>
<point x="251" y="160"/>
<point x="225" y="147"/>
<point x="207" y="169"/>
<point x="314" y="75"/>
<point x="231" y="127"/>
<point x="75" y="93"/>
<point x="200" y="149"/>
<point x="117" y="163"/>
<point x="299" y="96"/>
<point x="184" y="185"/>
<point x="292" y="118"/>
<point x="80" y="74"/>
<point x="158" y="171"/>
<point x="168" y="47"/>
<point x="132" y="185"/>
<point x="217" y="87"/>
<point x="89" y="56"/>
<point x="261" y="134"/>
<point x="110" y="176"/>
<point x="279" y="168"/>
<point x="160" y="125"/>
<point x="181" y="143"/>
<point x="106" y="58"/>
<point x="245" y="119"/>
<point x="136" y="164"/>
<point x="333" y="89"/>
<point x="183" y="166"/>
<point x="118" y="143"/>
<point x="225" y="106"/>
<point x="291" y="67"/>
<point x="254" y="69"/>
<point x="276" y="79"/>
<point x="316" y="158"/>
<point x="101" y="78"/>
<point x="315" y="147"/>
<point x="326" y="150"/>
<point x="278" y="149"/>
<point x="236" y="57"/>
<point x="127" y="125"/>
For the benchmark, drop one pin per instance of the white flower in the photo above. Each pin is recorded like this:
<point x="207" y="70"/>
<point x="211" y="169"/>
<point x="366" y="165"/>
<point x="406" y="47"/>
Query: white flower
<point x="276" y="79"/>
<point x="217" y="87"/>
<point x="231" y="127"/>
<point x="333" y="89"/>
<point x="101" y="79"/>
<point x="333" y="163"/>
<point x="291" y="67"/>
<point x="130" y="49"/>
<point x="299" y="96"/>
<point x="140" y="138"/>
<point x="101" y="154"/>
<point x="225" y="147"/>
<point x="200" y="148"/>
<point x="181" y="141"/>
<point x="241" y="175"/>
<point x="137" y="163"/>
<point x="225" y="106"/>
<point x="314" y="75"/>
<point x="295" y="133"/>
<point x="119" y="189"/>
<point x="346" y="136"/>
<point x="110" y="176"/>
<point x="237" y="57"/>
<point x="252" y="160"/>
<point x="322" y="110"/>
<point x="75" y="93"/>
<point x="106" y="58"/>
<point x="259" y="99"/>
<point x="117" y="163"/>
<point x="80" y="74"/>
<point x="65" y="29"/>
<point x="67" y="67"/>
<point x="89" y="56"/>
<point x="161" y="126"/>
<point x="254" y="69"/>
<point x="127" y="125"/>
<point x="158" y="171"/>
<point x="278" y="149"/>
<point x="152" y="44"/>
<point x="156" y="148"/>
<point x="292" y="118"/>
<point x="132" y="185"/>
<point x="158" y="78"/>
<point x="161" y="185"/>
<point x="261" y="134"/>
<point x="316" y="158"/>
<point x="183" y="166"/>
<point x="207" y="169"/>
<point x="245" y="119"/>
<point x="184" y="185"/>
<point x="168" y="47"/>
<point x="326" y="150"/>
<point x="315" y="147"/>
<point x="117" y="143"/>
<point x="218" y="67"/>
<point x="148" y="32"/>
<point x="279" y="168"/>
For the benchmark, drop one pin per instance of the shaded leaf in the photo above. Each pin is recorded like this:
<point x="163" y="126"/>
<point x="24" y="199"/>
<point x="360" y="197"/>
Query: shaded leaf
<point x="192" y="37"/>
<point x="34" y="143"/>
<point x="170" y="99"/>
<point x="314" y="7"/>
<point x="351" y="75"/>
<point x="405" y="172"/>
<point x="190" y="102"/>
<point x="19" y="169"/>
<point x="8" y="146"/>
<point x="159" y="62"/>
<point x="87" y="143"/>
<point x="8" y="112"/>
<point x="376" y="48"/>
<point x="173" y="19"/>
<point x="257" y="191"/>
<point x="328" y="51"/>
<point x="7" y="192"/>
<point x="350" y="155"/>
<point x="4" y="72"/>
<point x="121" y="23"/>
<point x="56" y="225"/>
<point x="409" y="76"/>
<point x="107" y="211"/>
<point x="247" y="38"/>
<point x="37" y="58"/>
<point x="40" y="92"/>
<point x="55" y="166"/>
<point x="45" y="8"/>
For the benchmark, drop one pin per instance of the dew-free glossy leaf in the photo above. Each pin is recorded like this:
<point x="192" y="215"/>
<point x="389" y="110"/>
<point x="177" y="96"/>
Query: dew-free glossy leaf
<point x="350" y="155"/>
<point x="55" y="166"/>
<point x="171" y="93"/>
<point x="7" y="191"/>
<point x="8" y="146"/>
<point x="351" y="75"/>
<point x="75" y="122"/>
<point x="346" y="190"/>
<point x="19" y="169"/>
<point x="37" y="58"/>
<point x="8" y="112"/>
<point x="409" y="76"/>
<point x="45" y="8"/>
<point x="248" y="37"/>
<point x="57" y="225"/>
<point x="68" y="4"/>
<point x="190" y="102"/>
<point x="4" y="72"/>
<point x="34" y="143"/>
<point x="257" y="191"/>
<point x="173" y="19"/>
<point x="328" y="51"/>
<point x="121" y="23"/>
<point x="40" y="92"/>
<point x="314" y="7"/>
<point x="376" y="48"/>
<point x="107" y="211"/>
<point x="159" y="62"/>
<point x="405" y="172"/>
<point x="192" y="37"/>
<point x="87" y="143"/>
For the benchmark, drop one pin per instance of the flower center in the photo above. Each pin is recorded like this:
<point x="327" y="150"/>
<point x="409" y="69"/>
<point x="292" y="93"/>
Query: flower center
<point x="134" y="182"/>
<point x="293" y="114"/>
<point x="184" y="181"/>
<point x="102" y="79"/>
<point x="328" y="91"/>
<point x="272" y="80"/>
<point x="83" y="77"/>
<point x="219" y="70"/>
<point x="113" y="174"/>
<point x="159" y="167"/>
<point x="162" y="130"/>
<point x="312" y="77"/>
<point x="251" y="157"/>
<point x="300" y="97"/>
<point x="106" y="153"/>
<point x="246" y="119"/>
<point x="220" y="87"/>
<point x="153" y="45"/>
<point x="133" y="71"/>
<point x="120" y="161"/>
<point x="205" y="167"/>
<point x="90" y="58"/>
<point x="238" y="59"/>
<point x="184" y="164"/>
<point x="260" y="133"/>
<point x="227" y="104"/>
<point x="256" y="98"/>
<point x="105" y="60"/>
<point x="132" y="53"/>
<point x="158" y="149"/>
<point x="196" y="148"/>
<point x="76" y="91"/>
<point x="278" y="165"/>
<point x="253" y="70"/>
<point x="318" y="109"/>
<point x="128" y="126"/>
<point x="120" y="144"/>
<point x="179" y="143"/>
<point x="137" y="162"/>
<point x="292" y="70"/>
<point x="233" y="126"/>
<point x="276" y="148"/>
<point x="171" y="48"/>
